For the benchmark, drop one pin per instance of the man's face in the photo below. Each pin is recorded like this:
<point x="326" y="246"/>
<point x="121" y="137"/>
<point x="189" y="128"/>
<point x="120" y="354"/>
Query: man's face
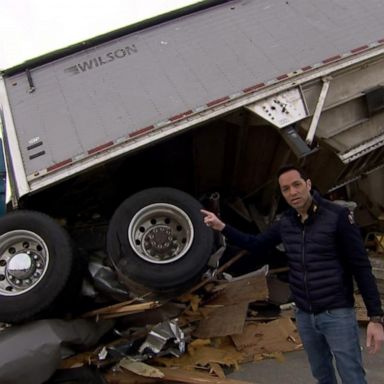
<point x="295" y="189"/>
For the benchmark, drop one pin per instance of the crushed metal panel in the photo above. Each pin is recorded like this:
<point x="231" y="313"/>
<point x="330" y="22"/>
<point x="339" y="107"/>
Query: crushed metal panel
<point x="160" y="335"/>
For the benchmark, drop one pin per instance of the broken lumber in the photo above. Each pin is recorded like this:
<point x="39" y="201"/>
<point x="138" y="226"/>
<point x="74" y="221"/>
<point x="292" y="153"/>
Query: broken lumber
<point x="122" y="309"/>
<point x="170" y="374"/>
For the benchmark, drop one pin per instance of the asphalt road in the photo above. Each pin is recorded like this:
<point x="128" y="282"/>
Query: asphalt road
<point x="295" y="369"/>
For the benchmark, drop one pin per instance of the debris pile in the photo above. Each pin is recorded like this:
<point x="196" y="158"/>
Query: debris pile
<point x="221" y="324"/>
<point x="375" y="242"/>
<point x="198" y="337"/>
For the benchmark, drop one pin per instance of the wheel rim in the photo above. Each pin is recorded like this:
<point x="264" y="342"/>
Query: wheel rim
<point x="160" y="233"/>
<point x="24" y="259"/>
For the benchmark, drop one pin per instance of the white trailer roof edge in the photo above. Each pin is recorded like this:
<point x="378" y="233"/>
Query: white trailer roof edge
<point x="199" y="5"/>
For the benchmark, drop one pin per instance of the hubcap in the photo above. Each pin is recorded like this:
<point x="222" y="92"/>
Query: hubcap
<point x="160" y="233"/>
<point x="21" y="266"/>
<point x="24" y="260"/>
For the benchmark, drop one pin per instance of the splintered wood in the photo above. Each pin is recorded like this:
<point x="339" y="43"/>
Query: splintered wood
<point x="202" y="357"/>
<point x="223" y="331"/>
<point x="224" y="321"/>
<point x="267" y="338"/>
<point x="241" y="291"/>
<point x="171" y="375"/>
<point x="121" y="309"/>
<point x="225" y="337"/>
<point x="227" y="311"/>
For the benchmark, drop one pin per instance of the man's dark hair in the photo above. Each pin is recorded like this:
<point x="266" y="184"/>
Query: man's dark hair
<point x="291" y="167"/>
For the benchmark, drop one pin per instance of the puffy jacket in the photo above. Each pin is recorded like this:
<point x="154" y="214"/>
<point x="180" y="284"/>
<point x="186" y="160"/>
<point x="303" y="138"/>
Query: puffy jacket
<point x="324" y="254"/>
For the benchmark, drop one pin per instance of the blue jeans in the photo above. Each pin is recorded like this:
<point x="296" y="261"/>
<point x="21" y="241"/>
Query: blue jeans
<point x="332" y="333"/>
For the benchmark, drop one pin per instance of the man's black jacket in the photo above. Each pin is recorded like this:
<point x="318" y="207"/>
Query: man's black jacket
<point x="324" y="253"/>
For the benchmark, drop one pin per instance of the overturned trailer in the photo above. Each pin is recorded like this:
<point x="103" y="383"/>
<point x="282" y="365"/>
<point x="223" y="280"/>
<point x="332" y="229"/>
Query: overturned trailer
<point x="116" y="142"/>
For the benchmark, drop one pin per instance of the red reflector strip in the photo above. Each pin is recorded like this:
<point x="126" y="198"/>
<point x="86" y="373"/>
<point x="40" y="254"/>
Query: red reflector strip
<point x="254" y="87"/>
<point x="307" y="68"/>
<point x="59" y="165"/>
<point x="330" y="59"/>
<point x="381" y="41"/>
<point x="358" y="49"/>
<point x="180" y="116"/>
<point x="100" y="148"/>
<point x="140" y="131"/>
<point x="218" y="101"/>
<point x="282" y="77"/>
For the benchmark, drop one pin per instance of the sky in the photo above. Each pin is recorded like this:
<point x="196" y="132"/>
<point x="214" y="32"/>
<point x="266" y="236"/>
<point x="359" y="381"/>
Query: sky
<point x="30" y="28"/>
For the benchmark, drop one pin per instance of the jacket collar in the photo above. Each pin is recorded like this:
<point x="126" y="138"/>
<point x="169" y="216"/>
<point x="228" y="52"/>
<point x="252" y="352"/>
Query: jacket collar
<point x="313" y="209"/>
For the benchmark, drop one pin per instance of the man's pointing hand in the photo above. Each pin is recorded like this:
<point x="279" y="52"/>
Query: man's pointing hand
<point x="212" y="221"/>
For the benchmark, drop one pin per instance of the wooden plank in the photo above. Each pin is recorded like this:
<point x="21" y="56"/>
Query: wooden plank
<point x="193" y="377"/>
<point x="172" y="375"/>
<point x="223" y="321"/>
<point x="246" y="290"/>
<point x="128" y="378"/>
<point x="122" y="309"/>
<point x="276" y="336"/>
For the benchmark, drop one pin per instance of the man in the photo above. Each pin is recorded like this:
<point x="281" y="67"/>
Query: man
<point x="325" y="251"/>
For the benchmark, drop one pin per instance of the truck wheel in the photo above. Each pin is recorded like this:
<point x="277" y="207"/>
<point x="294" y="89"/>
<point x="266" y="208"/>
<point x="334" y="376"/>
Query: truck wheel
<point x="157" y="239"/>
<point x="36" y="260"/>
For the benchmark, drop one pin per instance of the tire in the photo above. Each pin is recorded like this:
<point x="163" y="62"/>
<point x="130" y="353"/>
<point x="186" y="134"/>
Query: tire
<point x="157" y="240"/>
<point x="43" y="249"/>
